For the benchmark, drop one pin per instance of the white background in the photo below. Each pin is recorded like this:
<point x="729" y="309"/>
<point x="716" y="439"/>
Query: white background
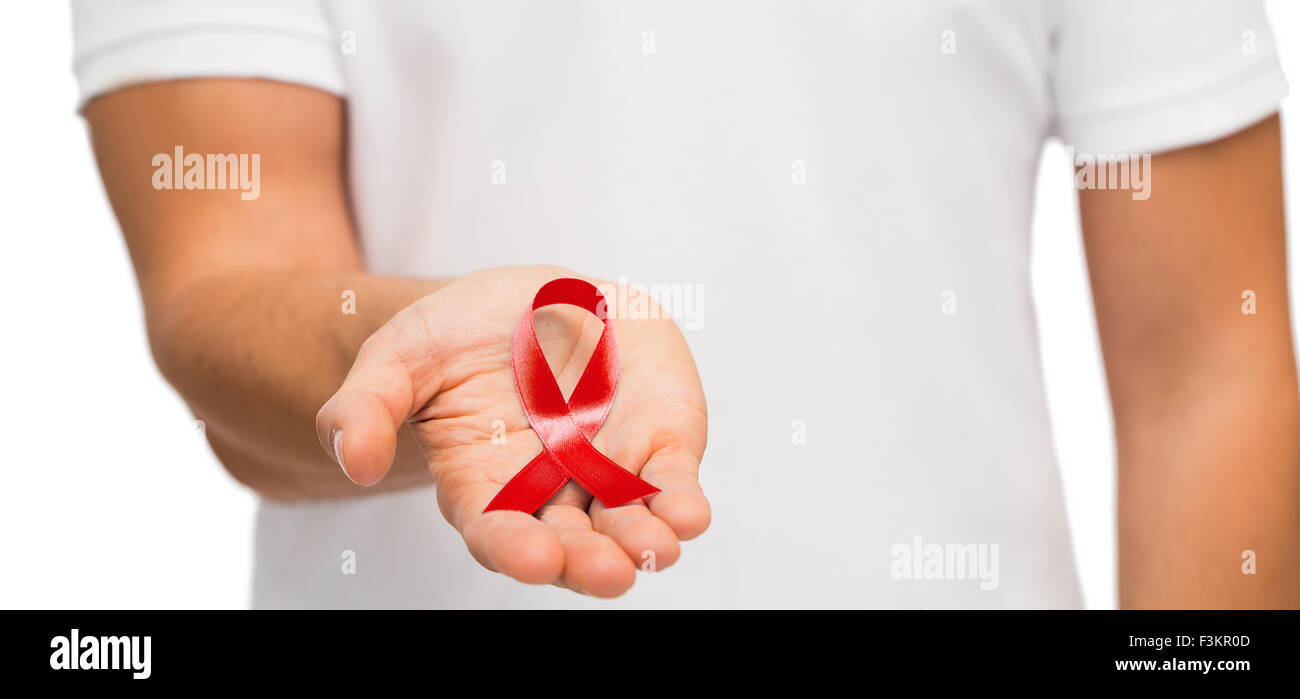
<point x="110" y="497"/>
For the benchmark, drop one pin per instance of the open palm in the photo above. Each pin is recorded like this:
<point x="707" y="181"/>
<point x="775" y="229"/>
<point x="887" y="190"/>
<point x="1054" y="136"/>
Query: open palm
<point x="443" y="366"/>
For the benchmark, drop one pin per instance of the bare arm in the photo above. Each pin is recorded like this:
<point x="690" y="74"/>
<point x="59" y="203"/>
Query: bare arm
<point x="243" y="298"/>
<point x="243" y="303"/>
<point x="1207" y="416"/>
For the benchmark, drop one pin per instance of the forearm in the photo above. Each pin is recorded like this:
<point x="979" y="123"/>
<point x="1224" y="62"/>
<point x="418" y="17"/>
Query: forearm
<point x="1209" y="499"/>
<point x="1190" y="291"/>
<point x="244" y="297"/>
<point x="256" y="353"/>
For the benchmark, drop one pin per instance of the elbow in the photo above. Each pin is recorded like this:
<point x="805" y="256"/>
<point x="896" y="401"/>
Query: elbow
<point x="178" y="351"/>
<point x="253" y="473"/>
<point x="172" y="340"/>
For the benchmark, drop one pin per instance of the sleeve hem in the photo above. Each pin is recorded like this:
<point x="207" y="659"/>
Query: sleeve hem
<point x="209" y="53"/>
<point x="1199" y="117"/>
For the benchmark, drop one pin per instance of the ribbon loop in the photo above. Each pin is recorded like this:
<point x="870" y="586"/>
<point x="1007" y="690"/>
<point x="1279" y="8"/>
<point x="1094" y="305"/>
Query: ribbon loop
<point x="566" y="428"/>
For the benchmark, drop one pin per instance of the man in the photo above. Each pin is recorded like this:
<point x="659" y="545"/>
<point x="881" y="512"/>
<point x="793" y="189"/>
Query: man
<point x="847" y="184"/>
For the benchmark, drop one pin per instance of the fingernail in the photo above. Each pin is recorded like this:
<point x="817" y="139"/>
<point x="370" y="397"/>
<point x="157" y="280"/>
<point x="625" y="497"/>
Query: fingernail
<point x="338" y="452"/>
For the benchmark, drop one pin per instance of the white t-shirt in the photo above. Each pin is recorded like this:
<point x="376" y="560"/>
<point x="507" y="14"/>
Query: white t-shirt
<point x="845" y="186"/>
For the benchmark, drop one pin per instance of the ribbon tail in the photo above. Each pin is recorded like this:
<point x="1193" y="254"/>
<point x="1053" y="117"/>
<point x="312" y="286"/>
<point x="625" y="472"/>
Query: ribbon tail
<point x="610" y="483"/>
<point x="540" y="480"/>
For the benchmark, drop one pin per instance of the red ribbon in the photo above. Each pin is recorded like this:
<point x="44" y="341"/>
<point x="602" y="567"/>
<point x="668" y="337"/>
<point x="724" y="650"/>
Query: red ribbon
<point x="567" y="428"/>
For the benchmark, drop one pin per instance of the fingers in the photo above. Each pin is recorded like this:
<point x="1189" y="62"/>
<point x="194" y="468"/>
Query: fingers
<point x="557" y="546"/>
<point x="562" y="544"/>
<point x="358" y="425"/>
<point x="680" y="502"/>
<point x="518" y="545"/>
<point x="593" y="563"/>
<point x="506" y="541"/>
<point x="356" y="429"/>
<point x="645" y="538"/>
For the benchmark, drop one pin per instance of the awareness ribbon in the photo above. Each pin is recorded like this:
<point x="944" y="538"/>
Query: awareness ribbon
<point x="567" y="428"/>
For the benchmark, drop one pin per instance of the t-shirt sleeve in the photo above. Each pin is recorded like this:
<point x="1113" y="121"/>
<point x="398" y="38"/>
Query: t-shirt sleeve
<point x="1149" y="76"/>
<point x="122" y="42"/>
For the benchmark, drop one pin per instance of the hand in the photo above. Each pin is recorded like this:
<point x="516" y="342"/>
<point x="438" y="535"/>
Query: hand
<point x="442" y="366"/>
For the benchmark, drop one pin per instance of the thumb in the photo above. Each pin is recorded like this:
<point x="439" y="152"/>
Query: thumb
<point x="358" y="425"/>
